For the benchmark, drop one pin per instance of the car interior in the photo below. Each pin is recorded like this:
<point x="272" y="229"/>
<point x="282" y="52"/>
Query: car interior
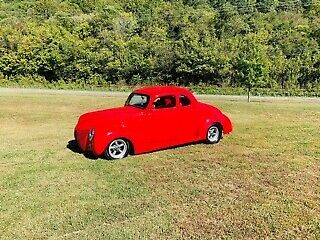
<point x="164" y="102"/>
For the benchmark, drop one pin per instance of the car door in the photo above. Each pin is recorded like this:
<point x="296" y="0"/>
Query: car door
<point x="188" y="118"/>
<point x="162" y="122"/>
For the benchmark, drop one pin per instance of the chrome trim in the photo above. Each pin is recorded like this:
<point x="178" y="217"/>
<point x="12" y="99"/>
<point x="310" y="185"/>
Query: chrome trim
<point x="91" y="134"/>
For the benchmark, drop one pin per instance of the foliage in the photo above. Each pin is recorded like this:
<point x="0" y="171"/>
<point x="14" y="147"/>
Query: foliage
<point x="263" y="43"/>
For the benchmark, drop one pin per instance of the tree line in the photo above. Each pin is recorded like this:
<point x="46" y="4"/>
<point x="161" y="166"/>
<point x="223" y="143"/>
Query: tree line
<point x="233" y="43"/>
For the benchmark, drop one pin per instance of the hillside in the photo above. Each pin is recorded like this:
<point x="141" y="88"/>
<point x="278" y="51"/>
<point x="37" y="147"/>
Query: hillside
<point x="267" y="43"/>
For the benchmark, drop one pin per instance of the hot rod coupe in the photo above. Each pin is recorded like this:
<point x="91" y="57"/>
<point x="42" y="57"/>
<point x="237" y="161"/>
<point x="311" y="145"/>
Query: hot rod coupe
<point x="152" y="118"/>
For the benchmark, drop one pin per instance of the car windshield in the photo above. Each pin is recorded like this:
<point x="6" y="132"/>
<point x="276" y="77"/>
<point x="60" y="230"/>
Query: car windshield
<point x="137" y="100"/>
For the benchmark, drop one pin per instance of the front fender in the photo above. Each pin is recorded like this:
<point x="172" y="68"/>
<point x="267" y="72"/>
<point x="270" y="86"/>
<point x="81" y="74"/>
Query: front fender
<point x="103" y="139"/>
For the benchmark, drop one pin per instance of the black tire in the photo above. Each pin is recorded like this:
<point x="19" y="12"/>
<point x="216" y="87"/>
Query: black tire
<point x="119" y="148"/>
<point x="214" y="134"/>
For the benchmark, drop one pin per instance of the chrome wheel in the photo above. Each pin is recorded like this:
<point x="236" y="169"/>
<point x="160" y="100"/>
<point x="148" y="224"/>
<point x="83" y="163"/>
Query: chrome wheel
<point x="117" y="149"/>
<point x="214" y="134"/>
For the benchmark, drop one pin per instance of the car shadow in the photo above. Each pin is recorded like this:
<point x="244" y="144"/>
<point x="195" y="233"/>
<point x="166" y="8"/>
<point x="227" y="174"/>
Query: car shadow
<point x="175" y="147"/>
<point x="74" y="147"/>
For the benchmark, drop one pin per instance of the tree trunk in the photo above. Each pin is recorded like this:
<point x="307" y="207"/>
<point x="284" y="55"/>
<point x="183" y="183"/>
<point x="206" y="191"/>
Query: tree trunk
<point x="248" y="94"/>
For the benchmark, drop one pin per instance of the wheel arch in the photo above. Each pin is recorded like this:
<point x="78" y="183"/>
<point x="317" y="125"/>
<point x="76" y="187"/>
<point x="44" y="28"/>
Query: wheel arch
<point x="217" y="124"/>
<point x="131" y="146"/>
<point x="208" y="123"/>
<point x="102" y="141"/>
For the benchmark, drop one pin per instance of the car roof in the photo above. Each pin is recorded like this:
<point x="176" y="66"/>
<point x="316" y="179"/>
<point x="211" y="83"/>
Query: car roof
<point x="160" y="90"/>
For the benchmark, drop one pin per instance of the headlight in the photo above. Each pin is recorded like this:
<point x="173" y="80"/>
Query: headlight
<point x="91" y="134"/>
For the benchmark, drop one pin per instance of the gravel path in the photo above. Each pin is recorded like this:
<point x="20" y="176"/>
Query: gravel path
<point x="12" y="91"/>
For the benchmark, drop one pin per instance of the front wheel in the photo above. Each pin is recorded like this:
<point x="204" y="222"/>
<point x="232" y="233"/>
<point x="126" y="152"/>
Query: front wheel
<point x="117" y="149"/>
<point x="214" y="134"/>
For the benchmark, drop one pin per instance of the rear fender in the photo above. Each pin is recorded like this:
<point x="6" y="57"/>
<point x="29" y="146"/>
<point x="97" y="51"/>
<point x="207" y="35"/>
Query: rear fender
<point x="221" y="120"/>
<point x="227" y="125"/>
<point x="207" y="124"/>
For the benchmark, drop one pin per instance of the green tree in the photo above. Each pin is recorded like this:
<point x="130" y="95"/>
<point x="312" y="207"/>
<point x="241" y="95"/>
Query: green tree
<point x="253" y="65"/>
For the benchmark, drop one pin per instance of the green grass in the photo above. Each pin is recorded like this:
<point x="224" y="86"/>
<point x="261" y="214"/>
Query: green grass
<point x="260" y="182"/>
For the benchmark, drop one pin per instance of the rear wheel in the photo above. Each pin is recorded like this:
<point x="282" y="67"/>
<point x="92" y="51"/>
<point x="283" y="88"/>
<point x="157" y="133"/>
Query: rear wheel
<point x="117" y="149"/>
<point x="214" y="134"/>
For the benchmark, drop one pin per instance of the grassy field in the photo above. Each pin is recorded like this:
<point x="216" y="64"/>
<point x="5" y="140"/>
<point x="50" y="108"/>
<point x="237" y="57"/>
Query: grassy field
<point x="260" y="182"/>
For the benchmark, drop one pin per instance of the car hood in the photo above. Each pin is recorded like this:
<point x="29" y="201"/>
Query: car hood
<point x="107" y="117"/>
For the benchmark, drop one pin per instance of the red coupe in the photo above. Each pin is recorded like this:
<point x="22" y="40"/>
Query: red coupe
<point x="152" y="118"/>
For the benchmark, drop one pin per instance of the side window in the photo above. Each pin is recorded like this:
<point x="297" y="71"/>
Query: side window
<point x="138" y="100"/>
<point x="184" y="101"/>
<point x="165" y="102"/>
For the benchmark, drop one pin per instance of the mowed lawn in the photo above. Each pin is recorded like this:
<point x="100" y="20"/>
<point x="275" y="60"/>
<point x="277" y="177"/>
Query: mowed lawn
<point x="260" y="182"/>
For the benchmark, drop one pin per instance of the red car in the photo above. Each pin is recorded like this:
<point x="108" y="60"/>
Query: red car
<point x="152" y="118"/>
